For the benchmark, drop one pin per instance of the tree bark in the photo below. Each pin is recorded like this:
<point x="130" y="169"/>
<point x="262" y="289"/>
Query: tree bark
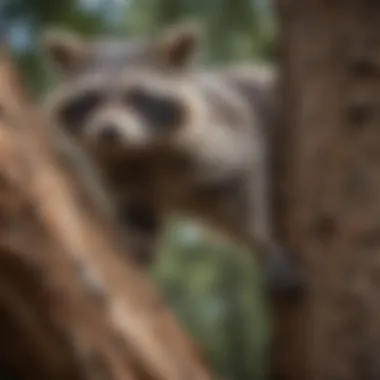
<point x="71" y="304"/>
<point x="329" y="190"/>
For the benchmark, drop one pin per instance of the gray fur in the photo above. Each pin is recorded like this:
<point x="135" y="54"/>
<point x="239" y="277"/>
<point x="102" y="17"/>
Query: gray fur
<point x="215" y="167"/>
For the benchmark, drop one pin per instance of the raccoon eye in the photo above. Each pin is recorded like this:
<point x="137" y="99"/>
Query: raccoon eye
<point x="74" y="114"/>
<point x="159" y="111"/>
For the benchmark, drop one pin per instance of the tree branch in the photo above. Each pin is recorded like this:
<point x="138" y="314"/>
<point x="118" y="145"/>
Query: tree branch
<point x="71" y="304"/>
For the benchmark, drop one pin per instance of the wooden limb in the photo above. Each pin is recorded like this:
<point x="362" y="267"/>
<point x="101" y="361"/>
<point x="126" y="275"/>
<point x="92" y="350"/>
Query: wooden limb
<point x="71" y="305"/>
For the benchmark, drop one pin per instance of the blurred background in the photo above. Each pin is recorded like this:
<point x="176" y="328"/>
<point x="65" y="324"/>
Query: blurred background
<point x="212" y="285"/>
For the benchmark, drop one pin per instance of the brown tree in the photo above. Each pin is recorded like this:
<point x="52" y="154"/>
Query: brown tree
<point x="329" y="190"/>
<point x="71" y="306"/>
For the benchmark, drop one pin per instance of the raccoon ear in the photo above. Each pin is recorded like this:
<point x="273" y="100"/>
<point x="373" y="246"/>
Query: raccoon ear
<point x="178" y="45"/>
<point x="64" y="49"/>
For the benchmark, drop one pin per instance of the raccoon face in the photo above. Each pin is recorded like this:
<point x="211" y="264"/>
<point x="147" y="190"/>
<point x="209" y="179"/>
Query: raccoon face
<point x="114" y="93"/>
<point x="134" y="115"/>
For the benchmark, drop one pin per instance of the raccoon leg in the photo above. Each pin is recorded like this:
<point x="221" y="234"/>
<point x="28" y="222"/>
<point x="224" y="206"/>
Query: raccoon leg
<point x="240" y="208"/>
<point x="282" y="275"/>
<point x="142" y="225"/>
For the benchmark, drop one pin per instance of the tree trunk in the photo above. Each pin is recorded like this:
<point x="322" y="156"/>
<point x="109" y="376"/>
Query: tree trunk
<point x="71" y="306"/>
<point x="329" y="198"/>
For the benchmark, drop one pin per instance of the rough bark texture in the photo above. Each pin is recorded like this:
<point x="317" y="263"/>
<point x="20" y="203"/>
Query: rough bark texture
<point x="70" y="305"/>
<point x="330" y="191"/>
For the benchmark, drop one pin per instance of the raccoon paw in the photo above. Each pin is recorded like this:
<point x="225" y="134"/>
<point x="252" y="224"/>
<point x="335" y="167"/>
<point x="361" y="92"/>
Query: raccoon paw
<point x="283" y="277"/>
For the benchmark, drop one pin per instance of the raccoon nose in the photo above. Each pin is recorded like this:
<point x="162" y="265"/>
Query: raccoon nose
<point x="109" y="133"/>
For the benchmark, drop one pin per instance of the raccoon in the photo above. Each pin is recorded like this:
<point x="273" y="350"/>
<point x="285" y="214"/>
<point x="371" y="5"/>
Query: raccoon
<point x="170" y="136"/>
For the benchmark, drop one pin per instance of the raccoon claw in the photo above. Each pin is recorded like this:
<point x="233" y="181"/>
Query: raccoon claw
<point x="283" y="279"/>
